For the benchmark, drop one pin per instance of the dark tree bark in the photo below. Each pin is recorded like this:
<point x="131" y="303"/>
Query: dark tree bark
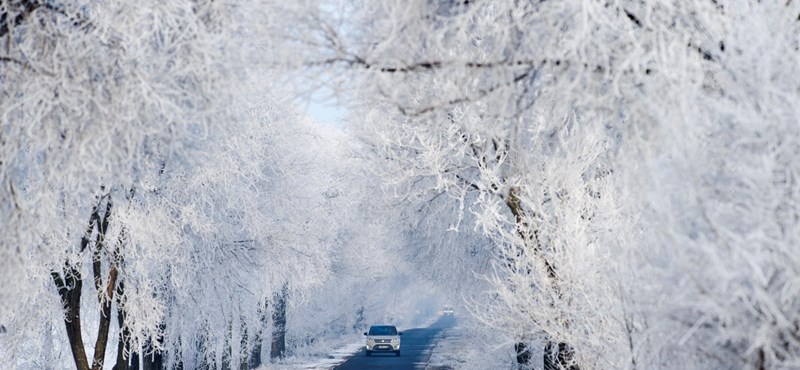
<point x="152" y="361"/>
<point x="279" y="324"/>
<point x="69" y="289"/>
<point x="69" y="283"/>
<point x="523" y="354"/>
<point x="558" y="356"/>
<point x="105" y="292"/>
<point x="123" y="340"/>
<point x="258" y="339"/>
<point x="359" y="323"/>
<point x="255" y="354"/>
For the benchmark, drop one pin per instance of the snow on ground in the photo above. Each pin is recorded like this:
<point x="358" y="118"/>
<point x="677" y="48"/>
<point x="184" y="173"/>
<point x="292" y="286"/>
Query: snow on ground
<point x="334" y="358"/>
<point x="465" y="346"/>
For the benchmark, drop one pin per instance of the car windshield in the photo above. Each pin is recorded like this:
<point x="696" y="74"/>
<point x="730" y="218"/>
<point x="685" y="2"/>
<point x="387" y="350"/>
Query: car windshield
<point x="382" y="330"/>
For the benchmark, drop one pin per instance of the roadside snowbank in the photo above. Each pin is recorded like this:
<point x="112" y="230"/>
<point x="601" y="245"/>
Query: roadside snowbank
<point x="465" y="346"/>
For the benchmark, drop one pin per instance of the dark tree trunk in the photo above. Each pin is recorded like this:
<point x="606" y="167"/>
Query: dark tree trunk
<point x="761" y="363"/>
<point x="556" y="356"/>
<point x="69" y="284"/>
<point x="255" y="354"/>
<point x="359" y="323"/>
<point x="279" y="324"/>
<point x="128" y="359"/>
<point x="69" y="289"/>
<point x="258" y="339"/>
<point x="523" y="355"/>
<point x="105" y="321"/>
<point x="105" y="291"/>
<point x="124" y="334"/>
<point x="152" y="360"/>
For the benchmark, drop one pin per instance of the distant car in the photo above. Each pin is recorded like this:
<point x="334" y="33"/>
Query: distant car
<point x="447" y="311"/>
<point x="383" y="338"/>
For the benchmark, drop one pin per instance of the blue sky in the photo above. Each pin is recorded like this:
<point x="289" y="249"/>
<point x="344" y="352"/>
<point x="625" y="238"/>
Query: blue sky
<point x="324" y="109"/>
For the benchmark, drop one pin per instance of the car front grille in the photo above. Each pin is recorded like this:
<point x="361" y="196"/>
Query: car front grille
<point x="383" y="340"/>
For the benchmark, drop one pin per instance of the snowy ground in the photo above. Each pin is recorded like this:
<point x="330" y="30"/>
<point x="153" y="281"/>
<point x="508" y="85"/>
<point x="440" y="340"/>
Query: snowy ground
<point x="335" y="357"/>
<point x="465" y="347"/>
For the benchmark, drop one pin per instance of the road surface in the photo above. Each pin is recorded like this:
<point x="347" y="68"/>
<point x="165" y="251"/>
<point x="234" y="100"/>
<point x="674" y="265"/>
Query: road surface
<point x="415" y="349"/>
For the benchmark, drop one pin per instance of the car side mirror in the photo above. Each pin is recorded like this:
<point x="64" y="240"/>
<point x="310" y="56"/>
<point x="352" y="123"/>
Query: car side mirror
<point x="400" y="333"/>
<point x="365" y="333"/>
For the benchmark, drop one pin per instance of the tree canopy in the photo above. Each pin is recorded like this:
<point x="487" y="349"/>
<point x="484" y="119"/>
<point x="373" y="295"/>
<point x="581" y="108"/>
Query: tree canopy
<point x="611" y="183"/>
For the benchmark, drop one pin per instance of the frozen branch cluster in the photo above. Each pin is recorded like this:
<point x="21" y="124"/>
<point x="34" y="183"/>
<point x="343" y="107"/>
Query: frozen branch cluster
<point x="87" y="91"/>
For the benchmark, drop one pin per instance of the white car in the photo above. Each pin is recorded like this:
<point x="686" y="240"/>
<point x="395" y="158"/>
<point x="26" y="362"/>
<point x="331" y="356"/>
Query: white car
<point x="447" y="311"/>
<point x="383" y="338"/>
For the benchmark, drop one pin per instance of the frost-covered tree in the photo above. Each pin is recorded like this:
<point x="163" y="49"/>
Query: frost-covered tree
<point x="95" y="99"/>
<point x="610" y="151"/>
<point x="246" y="201"/>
